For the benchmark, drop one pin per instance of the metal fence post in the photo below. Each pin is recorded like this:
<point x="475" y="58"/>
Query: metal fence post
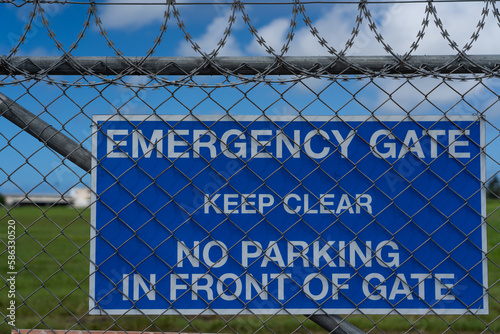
<point x="335" y="324"/>
<point x="45" y="133"/>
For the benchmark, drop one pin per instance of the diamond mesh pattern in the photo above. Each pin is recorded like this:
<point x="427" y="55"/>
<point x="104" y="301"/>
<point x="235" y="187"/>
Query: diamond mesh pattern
<point x="54" y="231"/>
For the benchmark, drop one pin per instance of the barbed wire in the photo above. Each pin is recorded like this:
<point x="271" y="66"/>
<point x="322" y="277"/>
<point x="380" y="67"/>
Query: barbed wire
<point x="234" y="11"/>
<point x="228" y="3"/>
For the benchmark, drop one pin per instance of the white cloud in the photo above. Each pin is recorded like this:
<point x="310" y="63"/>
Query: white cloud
<point x="209" y="39"/>
<point x="274" y="34"/>
<point x="397" y="23"/>
<point x="334" y="25"/>
<point x="400" y="24"/>
<point x="131" y="16"/>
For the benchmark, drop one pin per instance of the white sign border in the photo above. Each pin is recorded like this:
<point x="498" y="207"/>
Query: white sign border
<point x="94" y="310"/>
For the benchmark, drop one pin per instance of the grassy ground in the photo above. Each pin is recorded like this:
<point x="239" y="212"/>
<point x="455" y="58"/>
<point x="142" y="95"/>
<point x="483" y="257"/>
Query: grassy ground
<point x="52" y="286"/>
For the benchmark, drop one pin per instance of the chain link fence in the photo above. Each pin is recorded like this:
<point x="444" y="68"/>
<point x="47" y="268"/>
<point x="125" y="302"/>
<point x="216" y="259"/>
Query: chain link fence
<point x="248" y="166"/>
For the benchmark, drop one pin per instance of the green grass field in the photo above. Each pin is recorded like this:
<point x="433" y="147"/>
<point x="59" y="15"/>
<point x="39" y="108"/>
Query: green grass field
<point x="52" y="286"/>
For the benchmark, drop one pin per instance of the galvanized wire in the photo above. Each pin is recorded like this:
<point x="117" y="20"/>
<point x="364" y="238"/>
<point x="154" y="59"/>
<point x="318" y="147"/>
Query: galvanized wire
<point x="46" y="109"/>
<point x="237" y="11"/>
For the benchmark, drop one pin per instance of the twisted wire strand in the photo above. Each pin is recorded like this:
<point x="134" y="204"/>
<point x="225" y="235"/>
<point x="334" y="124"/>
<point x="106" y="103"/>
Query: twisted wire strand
<point x="231" y="77"/>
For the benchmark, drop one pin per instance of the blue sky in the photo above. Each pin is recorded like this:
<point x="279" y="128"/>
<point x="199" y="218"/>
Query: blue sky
<point x="133" y="30"/>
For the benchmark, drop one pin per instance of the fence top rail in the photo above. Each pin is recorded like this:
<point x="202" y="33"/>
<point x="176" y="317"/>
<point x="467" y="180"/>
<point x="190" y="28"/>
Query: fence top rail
<point x="253" y="66"/>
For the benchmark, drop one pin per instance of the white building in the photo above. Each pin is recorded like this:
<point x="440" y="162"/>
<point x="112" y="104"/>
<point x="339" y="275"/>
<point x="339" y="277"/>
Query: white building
<point x="78" y="197"/>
